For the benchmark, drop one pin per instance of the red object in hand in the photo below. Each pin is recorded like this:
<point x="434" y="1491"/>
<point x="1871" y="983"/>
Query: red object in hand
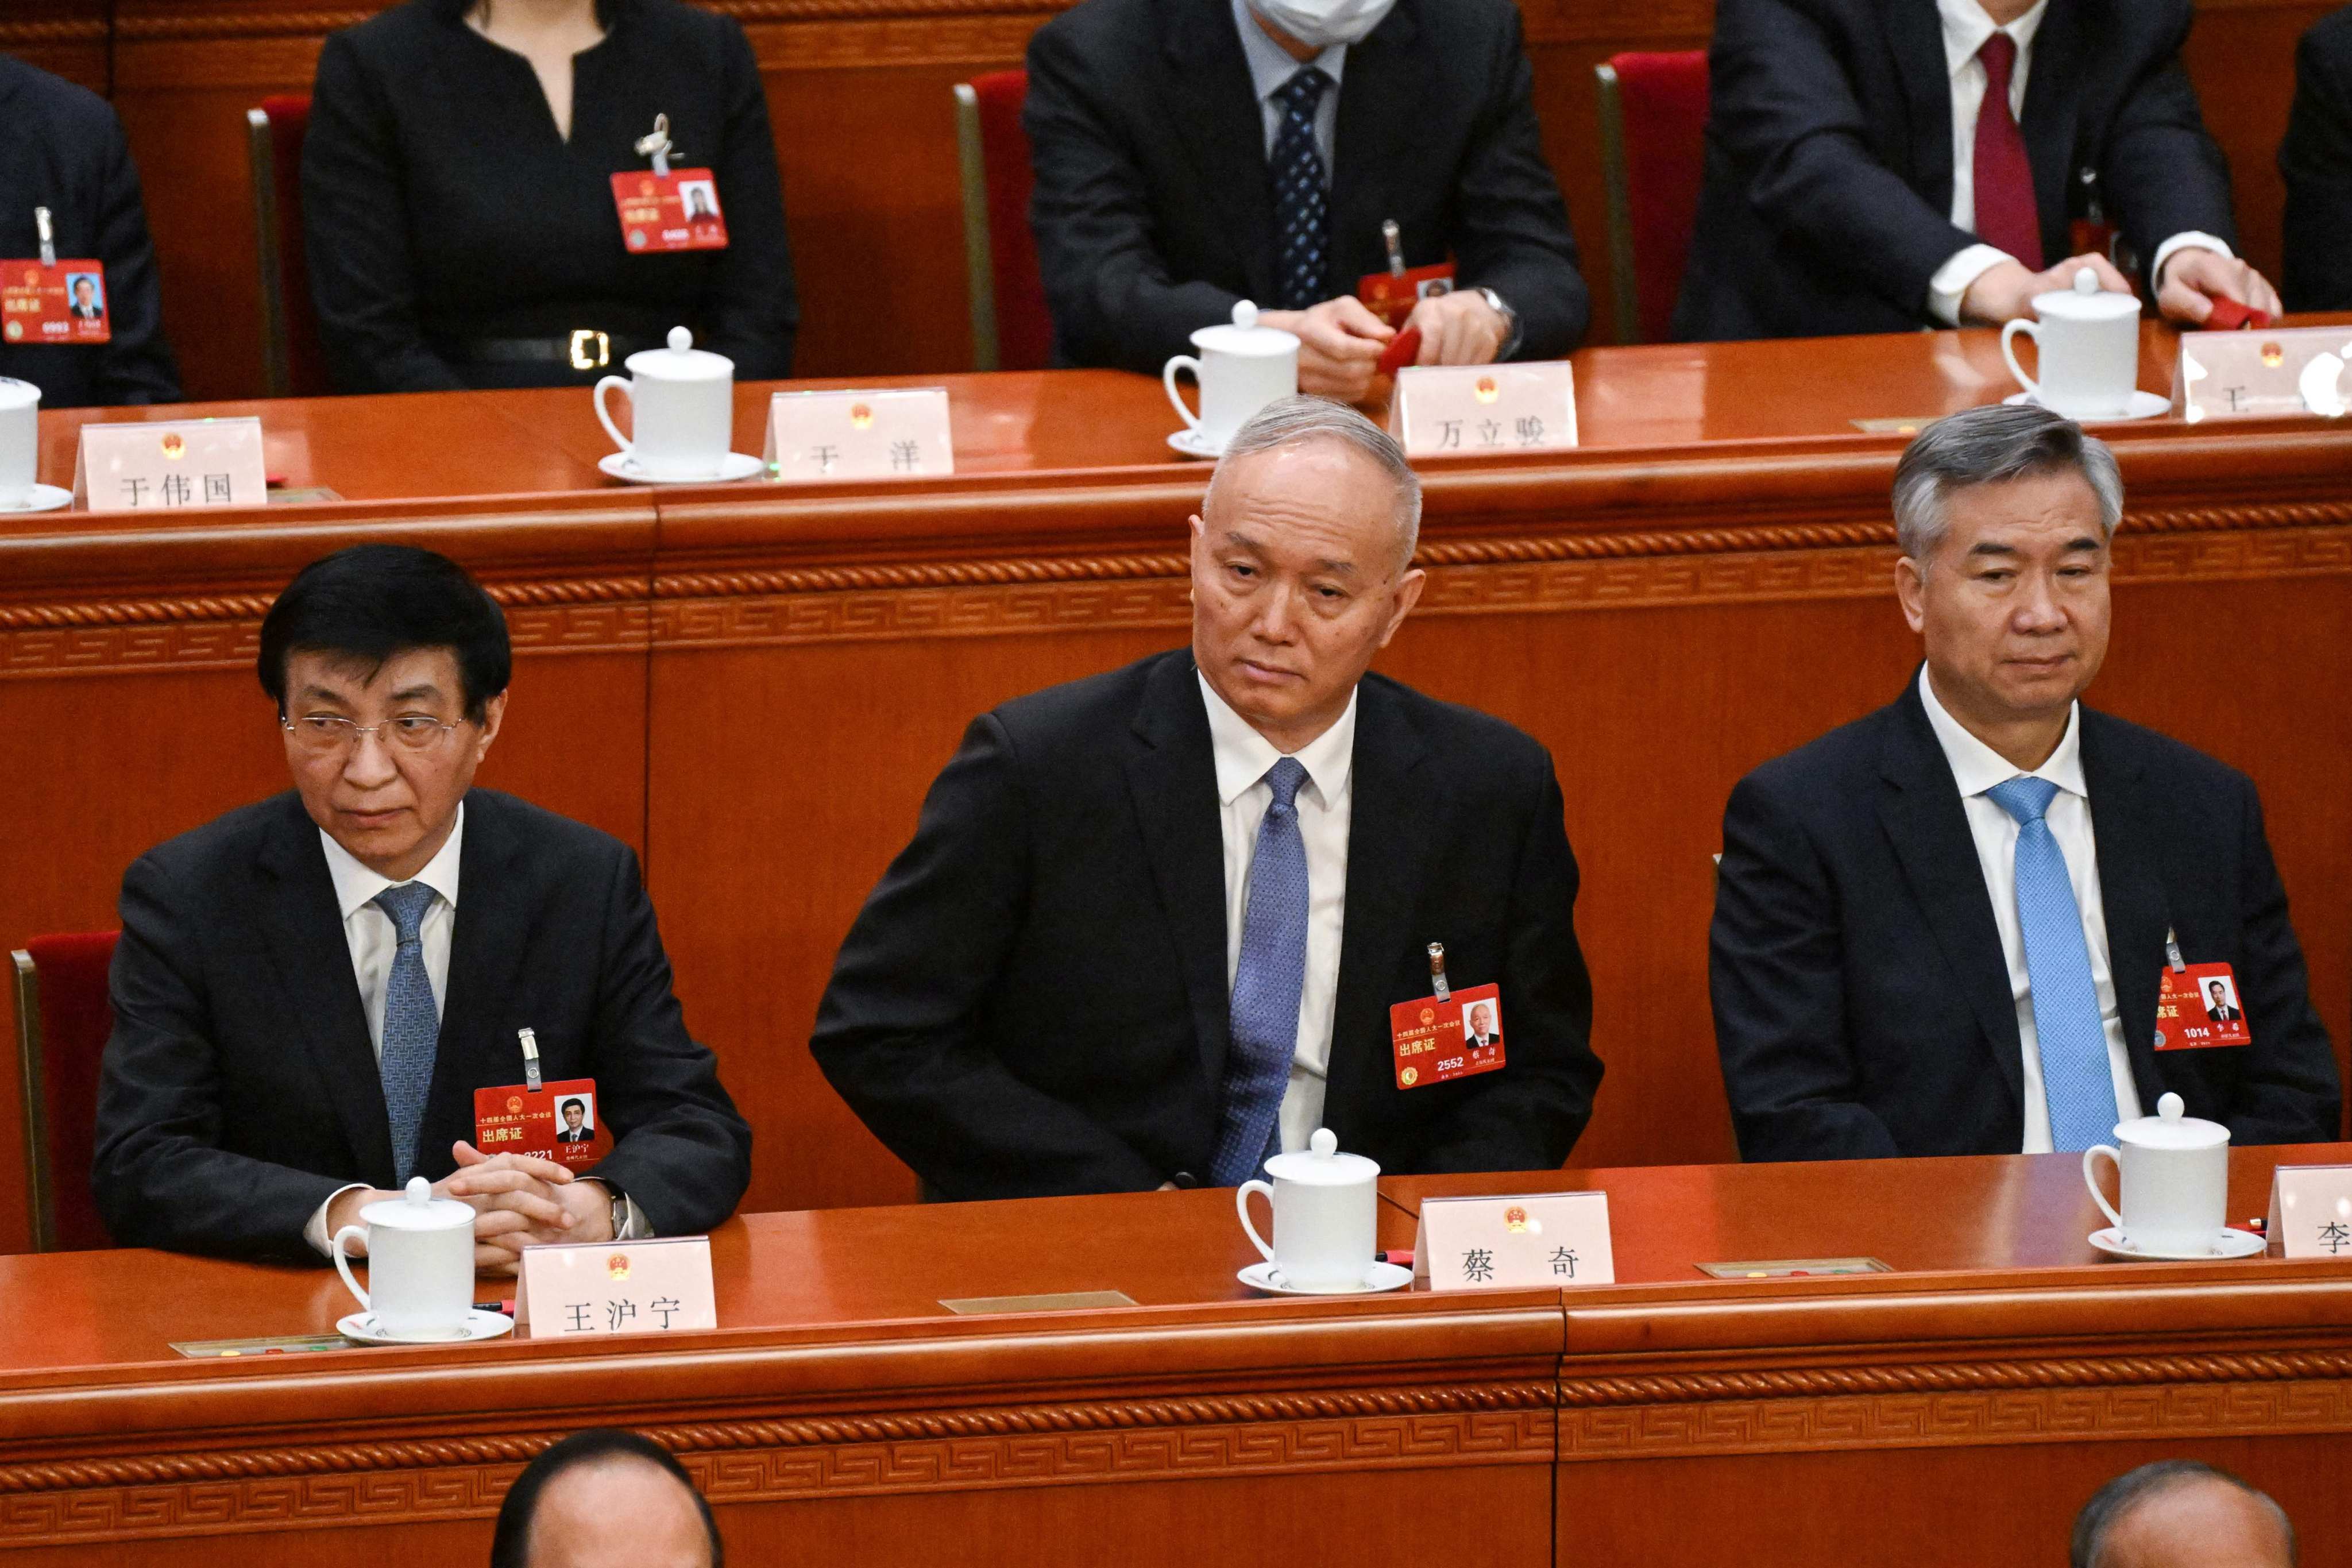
<point x="2229" y="316"/>
<point x="1403" y="350"/>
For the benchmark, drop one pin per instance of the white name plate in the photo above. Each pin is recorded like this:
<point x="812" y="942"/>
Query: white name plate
<point x="583" y="1288"/>
<point x="1536" y="1239"/>
<point x="2311" y="1211"/>
<point x="2263" y="376"/>
<point x="172" y="465"/>
<point x="1483" y="410"/>
<point x="901" y="434"/>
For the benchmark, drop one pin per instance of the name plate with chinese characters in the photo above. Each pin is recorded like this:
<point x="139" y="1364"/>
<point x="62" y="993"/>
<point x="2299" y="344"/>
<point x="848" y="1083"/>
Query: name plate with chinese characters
<point x="617" y="1288"/>
<point x="173" y="465"/>
<point x="2263" y="376"/>
<point x="2311" y="1211"/>
<point x="1537" y="1239"/>
<point x="1484" y="410"/>
<point x="900" y="434"/>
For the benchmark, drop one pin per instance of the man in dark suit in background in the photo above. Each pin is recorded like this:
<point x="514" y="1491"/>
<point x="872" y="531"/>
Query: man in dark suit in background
<point x="1152" y="923"/>
<point x="1192" y="153"/>
<point x="301" y="1015"/>
<point x="2315" y="160"/>
<point x="1920" y="945"/>
<point x="1879" y="165"/>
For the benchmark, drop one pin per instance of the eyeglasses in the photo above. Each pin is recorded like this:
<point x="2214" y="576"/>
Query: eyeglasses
<point x="324" y="734"/>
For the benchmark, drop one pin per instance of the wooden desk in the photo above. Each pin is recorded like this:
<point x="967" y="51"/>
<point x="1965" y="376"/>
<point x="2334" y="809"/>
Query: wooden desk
<point x="700" y="669"/>
<point x="843" y="1416"/>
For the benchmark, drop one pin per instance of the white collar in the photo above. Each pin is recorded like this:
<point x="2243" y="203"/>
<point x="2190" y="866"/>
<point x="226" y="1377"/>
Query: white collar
<point x="1243" y="755"/>
<point x="1965" y="28"/>
<point x="356" y="886"/>
<point x="1977" y="767"/>
<point x="1270" y="63"/>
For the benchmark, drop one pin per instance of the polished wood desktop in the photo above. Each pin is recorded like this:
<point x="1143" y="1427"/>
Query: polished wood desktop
<point x="754" y="684"/>
<point x="1956" y="1410"/>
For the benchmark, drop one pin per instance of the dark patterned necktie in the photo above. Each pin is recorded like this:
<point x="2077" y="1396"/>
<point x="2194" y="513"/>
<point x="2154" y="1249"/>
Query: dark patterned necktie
<point x="2007" y="217"/>
<point x="1266" y="985"/>
<point x="1302" y="196"/>
<point x="412" y="1025"/>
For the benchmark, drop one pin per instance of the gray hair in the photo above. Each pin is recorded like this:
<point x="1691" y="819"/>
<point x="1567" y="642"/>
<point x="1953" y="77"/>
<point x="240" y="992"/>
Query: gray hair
<point x="1286" y="420"/>
<point x="1990" y="446"/>
<point x="2108" y="1506"/>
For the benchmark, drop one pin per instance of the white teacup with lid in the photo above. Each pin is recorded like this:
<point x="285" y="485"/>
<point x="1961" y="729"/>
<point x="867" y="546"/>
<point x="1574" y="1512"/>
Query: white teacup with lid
<point x="682" y="408"/>
<point x="2174" y="1172"/>
<point x="1240" y="369"/>
<point x="2089" y="340"/>
<point x="420" y="1252"/>
<point x="20" y="440"/>
<point x="1325" y="1214"/>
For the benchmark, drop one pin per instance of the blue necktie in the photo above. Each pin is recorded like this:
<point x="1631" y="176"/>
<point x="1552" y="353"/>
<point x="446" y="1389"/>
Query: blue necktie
<point x="412" y="1025"/>
<point x="1266" y="982"/>
<point x="2076" y="1076"/>
<point x="1302" y="198"/>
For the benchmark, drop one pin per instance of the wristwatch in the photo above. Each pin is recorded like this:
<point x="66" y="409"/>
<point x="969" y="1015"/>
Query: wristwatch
<point x="620" y="1211"/>
<point x="1513" y="328"/>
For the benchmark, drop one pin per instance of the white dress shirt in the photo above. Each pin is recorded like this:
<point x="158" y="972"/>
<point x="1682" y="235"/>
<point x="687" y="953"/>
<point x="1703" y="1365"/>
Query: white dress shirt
<point x="1324" y="804"/>
<point x="1270" y="64"/>
<point x="1966" y="29"/>
<point x="1977" y="768"/>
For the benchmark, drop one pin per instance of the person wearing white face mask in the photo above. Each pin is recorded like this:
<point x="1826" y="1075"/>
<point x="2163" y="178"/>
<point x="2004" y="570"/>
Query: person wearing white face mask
<point x="1191" y="153"/>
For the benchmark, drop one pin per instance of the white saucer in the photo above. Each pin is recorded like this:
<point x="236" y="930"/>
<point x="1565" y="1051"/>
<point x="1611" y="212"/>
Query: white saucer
<point x="360" y="1326"/>
<point x="1192" y="444"/>
<point x="2144" y="405"/>
<point x="44" y="497"/>
<point x="733" y="466"/>
<point x="2227" y="1243"/>
<point x="1378" y="1276"/>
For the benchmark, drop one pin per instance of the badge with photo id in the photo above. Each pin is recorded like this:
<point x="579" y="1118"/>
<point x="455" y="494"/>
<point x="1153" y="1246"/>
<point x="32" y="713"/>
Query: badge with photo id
<point x="2197" y="1007"/>
<point x="54" y="302"/>
<point x="675" y="210"/>
<point x="558" y="1122"/>
<point x="1442" y="1038"/>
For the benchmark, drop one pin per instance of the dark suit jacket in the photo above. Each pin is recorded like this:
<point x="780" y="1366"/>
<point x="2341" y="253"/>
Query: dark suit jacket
<point x="2223" y="1015"/>
<point x="1828" y="191"/>
<point x="1034" y="999"/>
<point x="1154" y="212"/>
<point x="240" y="1089"/>
<point x="2315" y="160"/>
<point x="64" y="151"/>
<point x="1861" y="1001"/>
<point x="582" y="1136"/>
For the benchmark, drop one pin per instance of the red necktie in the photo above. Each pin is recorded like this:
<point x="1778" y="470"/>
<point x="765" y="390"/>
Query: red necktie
<point x="2007" y="217"/>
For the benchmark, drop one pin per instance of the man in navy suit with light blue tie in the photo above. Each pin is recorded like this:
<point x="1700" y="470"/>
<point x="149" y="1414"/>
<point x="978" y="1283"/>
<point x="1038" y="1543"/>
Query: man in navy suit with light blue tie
<point x="1940" y="930"/>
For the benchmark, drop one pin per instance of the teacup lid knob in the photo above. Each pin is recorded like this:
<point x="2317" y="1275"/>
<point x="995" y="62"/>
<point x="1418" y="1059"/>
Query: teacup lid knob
<point x="2085" y="281"/>
<point x="1325" y="1144"/>
<point x="680" y="340"/>
<point x="2169" y="1107"/>
<point x="420" y="1192"/>
<point x="1244" y="314"/>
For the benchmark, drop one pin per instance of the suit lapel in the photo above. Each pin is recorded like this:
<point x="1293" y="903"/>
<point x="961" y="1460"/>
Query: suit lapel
<point x="487" y="948"/>
<point x="2128" y="828"/>
<point x="1391" y="820"/>
<point x="1214" y="108"/>
<point x="1172" y="772"/>
<point x="2052" y="100"/>
<point x="1372" y="141"/>
<point x="1915" y="34"/>
<point x="1921" y="811"/>
<point x="303" y="926"/>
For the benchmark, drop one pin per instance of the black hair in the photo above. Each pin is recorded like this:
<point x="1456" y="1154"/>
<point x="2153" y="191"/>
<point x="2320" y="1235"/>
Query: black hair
<point x="510" y="1541"/>
<point x="371" y="602"/>
<point x="2117" y="1499"/>
<point x="575" y="1100"/>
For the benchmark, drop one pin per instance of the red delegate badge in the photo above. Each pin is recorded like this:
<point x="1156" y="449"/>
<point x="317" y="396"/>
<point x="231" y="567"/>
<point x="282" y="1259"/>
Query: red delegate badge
<point x="1391" y="296"/>
<point x="559" y="1121"/>
<point x="1440" y="1041"/>
<point x="677" y="211"/>
<point x="66" y="304"/>
<point x="2198" y="1007"/>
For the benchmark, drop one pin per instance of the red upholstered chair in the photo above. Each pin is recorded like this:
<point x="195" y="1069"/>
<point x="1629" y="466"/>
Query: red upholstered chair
<point x="1010" y="327"/>
<point x="63" y="1017"/>
<point x="293" y="364"/>
<point x="1653" y="155"/>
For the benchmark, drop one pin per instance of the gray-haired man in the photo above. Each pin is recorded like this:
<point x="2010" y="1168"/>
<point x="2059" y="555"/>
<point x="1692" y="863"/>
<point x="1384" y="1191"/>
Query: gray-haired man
<point x="1152" y="925"/>
<point x="1921" y="946"/>
<point x="2181" y="1514"/>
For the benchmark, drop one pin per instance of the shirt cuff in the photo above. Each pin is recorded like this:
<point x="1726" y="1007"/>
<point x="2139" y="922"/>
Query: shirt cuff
<point x="1950" y="284"/>
<point x="2188" y="239"/>
<point x="315" y="1233"/>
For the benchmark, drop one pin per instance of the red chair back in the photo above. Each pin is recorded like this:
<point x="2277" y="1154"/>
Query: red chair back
<point x="1024" y="331"/>
<point x="306" y="364"/>
<point x="1665" y="98"/>
<point x="62" y="1039"/>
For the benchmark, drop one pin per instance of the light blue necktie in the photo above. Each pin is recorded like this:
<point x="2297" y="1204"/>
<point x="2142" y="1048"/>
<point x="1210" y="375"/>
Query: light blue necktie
<point x="1302" y="196"/>
<point x="1266" y="983"/>
<point x="412" y="1025"/>
<point x="2076" y="1076"/>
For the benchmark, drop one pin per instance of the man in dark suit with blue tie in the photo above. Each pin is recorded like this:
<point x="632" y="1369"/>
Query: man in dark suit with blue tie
<point x="308" y="991"/>
<point x="1940" y="930"/>
<point x="1151" y="924"/>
